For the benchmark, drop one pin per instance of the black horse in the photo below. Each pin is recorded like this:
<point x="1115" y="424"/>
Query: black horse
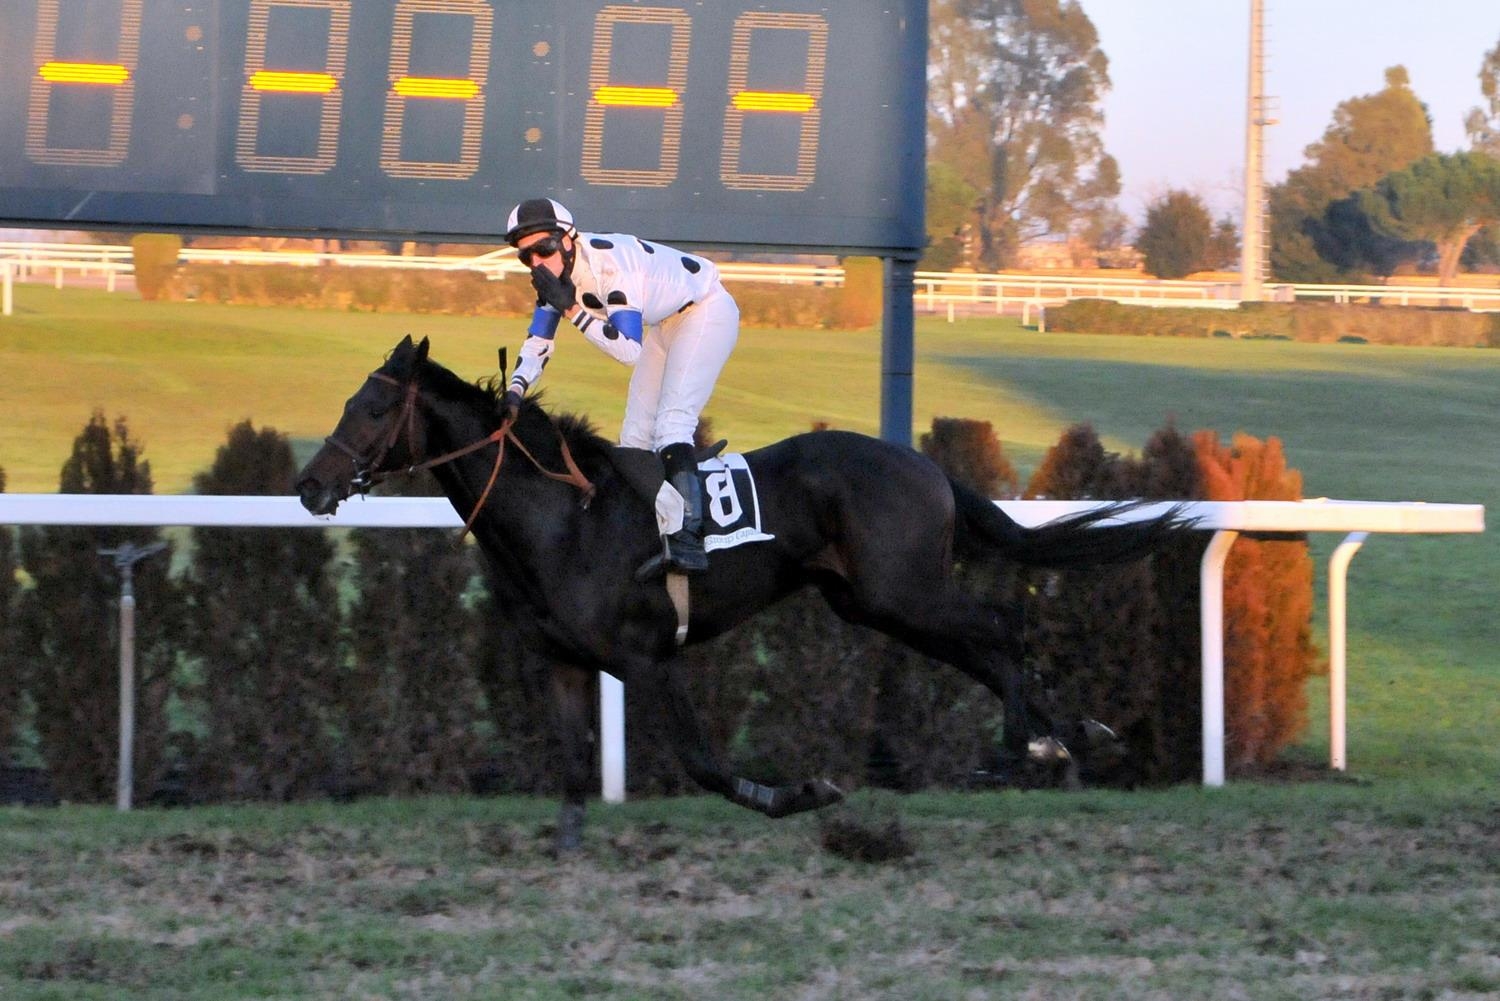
<point x="874" y="526"/>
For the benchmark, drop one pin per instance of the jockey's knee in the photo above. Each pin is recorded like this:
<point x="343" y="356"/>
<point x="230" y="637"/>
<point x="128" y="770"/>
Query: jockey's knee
<point x="673" y="425"/>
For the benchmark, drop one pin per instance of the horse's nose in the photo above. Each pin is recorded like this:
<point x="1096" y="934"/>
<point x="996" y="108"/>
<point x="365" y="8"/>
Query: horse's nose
<point x="315" y="497"/>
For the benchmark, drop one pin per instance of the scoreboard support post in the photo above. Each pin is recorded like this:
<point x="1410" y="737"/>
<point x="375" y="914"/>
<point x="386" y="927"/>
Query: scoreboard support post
<point x="897" y="349"/>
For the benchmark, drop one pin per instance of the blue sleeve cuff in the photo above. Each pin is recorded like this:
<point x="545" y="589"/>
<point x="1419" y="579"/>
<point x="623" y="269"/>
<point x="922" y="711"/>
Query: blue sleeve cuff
<point x="628" y="323"/>
<point x="544" y="323"/>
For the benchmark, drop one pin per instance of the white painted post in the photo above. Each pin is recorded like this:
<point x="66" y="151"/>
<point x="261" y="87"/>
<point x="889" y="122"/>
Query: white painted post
<point x="1025" y="313"/>
<point x="57" y="278"/>
<point x="7" y="293"/>
<point x="950" y="310"/>
<point x="109" y="280"/>
<point x="1211" y="624"/>
<point x="612" y="737"/>
<point x="1338" y="570"/>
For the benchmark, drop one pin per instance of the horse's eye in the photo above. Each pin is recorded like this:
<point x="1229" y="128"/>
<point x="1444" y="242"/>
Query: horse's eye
<point x="380" y="410"/>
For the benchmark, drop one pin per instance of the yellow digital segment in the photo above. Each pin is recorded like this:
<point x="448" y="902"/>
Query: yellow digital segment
<point x="111" y="74"/>
<point x="433" y="86"/>
<point x="400" y="115"/>
<point x="605" y="96"/>
<point x="262" y="84"/>
<point x="771" y="100"/>
<point x="636" y="97"/>
<point x="282" y="82"/>
<point x="744" y="100"/>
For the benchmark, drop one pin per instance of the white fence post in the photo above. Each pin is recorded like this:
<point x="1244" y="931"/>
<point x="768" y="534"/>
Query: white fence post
<point x="1211" y="622"/>
<point x="1338" y="571"/>
<point x="612" y="738"/>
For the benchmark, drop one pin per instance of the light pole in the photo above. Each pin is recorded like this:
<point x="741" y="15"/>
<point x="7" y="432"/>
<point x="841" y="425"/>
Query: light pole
<point x="126" y="557"/>
<point x="1253" y="223"/>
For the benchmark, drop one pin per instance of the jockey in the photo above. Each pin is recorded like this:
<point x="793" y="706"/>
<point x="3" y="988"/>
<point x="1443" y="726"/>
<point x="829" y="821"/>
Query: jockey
<point x="647" y="305"/>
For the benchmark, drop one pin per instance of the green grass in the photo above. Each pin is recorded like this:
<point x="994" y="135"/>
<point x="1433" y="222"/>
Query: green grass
<point x="1271" y="892"/>
<point x="1384" y="885"/>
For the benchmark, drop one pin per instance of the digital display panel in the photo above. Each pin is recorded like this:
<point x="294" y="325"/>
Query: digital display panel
<point x="783" y="123"/>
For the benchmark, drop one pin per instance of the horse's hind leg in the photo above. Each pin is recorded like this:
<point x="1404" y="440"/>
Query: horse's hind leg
<point x="946" y="624"/>
<point x="661" y="684"/>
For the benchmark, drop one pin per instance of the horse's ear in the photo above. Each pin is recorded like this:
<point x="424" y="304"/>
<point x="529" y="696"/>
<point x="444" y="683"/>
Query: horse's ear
<point x="422" y="348"/>
<point x="404" y="345"/>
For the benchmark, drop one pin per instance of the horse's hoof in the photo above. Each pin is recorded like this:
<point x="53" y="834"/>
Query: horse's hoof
<point x="812" y="795"/>
<point x="828" y="793"/>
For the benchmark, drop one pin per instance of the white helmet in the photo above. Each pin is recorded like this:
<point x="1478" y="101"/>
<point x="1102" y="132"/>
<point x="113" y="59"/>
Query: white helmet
<point x="538" y="215"/>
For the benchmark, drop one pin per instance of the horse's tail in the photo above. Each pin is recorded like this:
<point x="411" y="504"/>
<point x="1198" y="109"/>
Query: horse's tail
<point x="1077" y="540"/>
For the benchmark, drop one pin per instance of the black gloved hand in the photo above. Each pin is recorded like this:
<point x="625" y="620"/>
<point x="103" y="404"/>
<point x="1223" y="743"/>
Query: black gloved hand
<point x="559" y="293"/>
<point x="510" y="405"/>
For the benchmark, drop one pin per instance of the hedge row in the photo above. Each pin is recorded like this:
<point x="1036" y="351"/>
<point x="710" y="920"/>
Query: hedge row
<point x="856" y="304"/>
<point x="278" y="665"/>
<point x="1303" y="321"/>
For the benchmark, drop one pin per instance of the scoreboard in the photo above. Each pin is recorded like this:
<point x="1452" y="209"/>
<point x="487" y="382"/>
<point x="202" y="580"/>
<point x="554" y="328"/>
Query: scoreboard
<point x="785" y="123"/>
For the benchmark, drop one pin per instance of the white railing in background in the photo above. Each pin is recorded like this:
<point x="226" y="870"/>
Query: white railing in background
<point x="1226" y="519"/>
<point x="1025" y="294"/>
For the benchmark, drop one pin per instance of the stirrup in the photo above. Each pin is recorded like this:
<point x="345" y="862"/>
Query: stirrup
<point x="692" y="561"/>
<point x="654" y="567"/>
<point x="687" y="555"/>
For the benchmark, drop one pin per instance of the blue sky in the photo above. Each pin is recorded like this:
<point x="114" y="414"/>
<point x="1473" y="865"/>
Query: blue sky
<point x="1175" y="117"/>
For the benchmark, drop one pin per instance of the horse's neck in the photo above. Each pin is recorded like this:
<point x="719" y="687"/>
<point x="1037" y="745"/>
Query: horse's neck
<point x="515" y="505"/>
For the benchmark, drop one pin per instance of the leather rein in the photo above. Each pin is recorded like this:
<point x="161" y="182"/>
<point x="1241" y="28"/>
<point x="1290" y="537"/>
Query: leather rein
<point x="367" y="472"/>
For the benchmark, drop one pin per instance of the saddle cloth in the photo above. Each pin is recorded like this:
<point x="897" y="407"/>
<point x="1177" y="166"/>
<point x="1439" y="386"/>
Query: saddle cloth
<point x="731" y="507"/>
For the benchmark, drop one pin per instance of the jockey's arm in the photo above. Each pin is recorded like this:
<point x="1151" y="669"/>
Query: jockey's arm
<point x="619" y="336"/>
<point x="536" y="350"/>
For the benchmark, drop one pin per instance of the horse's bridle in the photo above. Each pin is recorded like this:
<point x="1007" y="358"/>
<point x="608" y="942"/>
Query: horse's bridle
<point x="367" y="472"/>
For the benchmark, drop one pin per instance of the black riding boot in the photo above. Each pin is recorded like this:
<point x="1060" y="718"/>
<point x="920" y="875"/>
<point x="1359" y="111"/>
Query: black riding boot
<point x="682" y="550"/>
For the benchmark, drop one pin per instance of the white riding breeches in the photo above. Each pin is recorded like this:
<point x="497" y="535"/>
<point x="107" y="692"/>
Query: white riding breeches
<point x="680" y="361"/>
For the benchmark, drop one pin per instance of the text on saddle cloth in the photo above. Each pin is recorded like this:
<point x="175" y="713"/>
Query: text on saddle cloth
<point x="731" y="507"/>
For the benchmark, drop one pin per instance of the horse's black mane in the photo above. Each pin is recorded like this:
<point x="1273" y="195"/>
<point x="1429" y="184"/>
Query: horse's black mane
<point x="582" y="435"/>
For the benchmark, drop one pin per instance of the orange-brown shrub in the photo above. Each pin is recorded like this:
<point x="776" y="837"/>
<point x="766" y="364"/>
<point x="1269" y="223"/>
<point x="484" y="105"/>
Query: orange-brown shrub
<point x="1122" y="644"/>
<point x="1268" y="650"/>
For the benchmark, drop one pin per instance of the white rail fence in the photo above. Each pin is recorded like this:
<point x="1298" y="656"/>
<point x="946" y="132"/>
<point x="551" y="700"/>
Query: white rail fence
<point x="1226" y="519"/>
<point x="1027" y="295"/>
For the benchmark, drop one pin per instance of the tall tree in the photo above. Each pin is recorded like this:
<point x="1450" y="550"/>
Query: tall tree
<point x="1369" y="137"/>
<point x="1224" y="248"/>
<point x="1014" y="88"/>
<point x="1483" y="122"/>
<point x="1178" y="236"/>
<point x="1483" y="127"/>
<point x="69" y="627"/>
<point x="265" y="620"/>
<point x="1443" y="198"/>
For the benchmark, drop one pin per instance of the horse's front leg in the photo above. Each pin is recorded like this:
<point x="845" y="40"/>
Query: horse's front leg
<point x="661" y="683"/>
<point x="571" y="691"/>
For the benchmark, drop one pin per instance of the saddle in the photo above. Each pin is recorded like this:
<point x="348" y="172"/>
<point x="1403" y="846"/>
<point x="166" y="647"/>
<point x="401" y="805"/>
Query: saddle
<point x="643" y="470"/>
